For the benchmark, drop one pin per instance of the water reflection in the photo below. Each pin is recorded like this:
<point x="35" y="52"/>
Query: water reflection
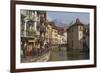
<point x="62" y="54"/>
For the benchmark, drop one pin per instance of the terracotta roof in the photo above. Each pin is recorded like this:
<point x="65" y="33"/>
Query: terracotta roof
<point x="53" y="25"/>
<point x="60" y="29"/>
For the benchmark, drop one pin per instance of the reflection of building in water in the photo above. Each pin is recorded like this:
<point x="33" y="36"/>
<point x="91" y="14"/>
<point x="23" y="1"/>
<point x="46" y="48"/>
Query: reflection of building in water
<point x="32" y="29"/>
<point x="75" y="35"/>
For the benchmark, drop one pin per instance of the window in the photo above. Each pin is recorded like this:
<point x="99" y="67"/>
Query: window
<point x="80" y="28"/>
<point x="80" y="34"/>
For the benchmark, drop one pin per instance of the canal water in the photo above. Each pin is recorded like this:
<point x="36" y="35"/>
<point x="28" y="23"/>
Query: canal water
<point x="62" y="54"/>
<point x="58" y="54"/>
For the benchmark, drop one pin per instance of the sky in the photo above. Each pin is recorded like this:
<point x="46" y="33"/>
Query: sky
<point x="68" y="17"/>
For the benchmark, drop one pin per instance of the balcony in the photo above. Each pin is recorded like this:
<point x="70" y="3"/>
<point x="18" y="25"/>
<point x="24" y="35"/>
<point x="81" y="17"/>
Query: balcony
<point x="30" y="32"/>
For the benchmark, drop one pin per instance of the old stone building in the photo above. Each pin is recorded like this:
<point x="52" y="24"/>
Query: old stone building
<point x="32" y="31"/>
<point x="75" y="35"/>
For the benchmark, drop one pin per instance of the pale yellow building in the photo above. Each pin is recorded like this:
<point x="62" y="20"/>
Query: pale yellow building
<point x="55" y="36"/>
<point x="49" y="33"/>
<point x="59" y="38"/>
<point x="75" y="35"/>
<point x="62" y="35"/>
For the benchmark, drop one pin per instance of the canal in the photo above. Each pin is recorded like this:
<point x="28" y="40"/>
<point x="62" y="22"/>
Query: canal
<point x="56" y="53"/>
<point x="62" y="54"/>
